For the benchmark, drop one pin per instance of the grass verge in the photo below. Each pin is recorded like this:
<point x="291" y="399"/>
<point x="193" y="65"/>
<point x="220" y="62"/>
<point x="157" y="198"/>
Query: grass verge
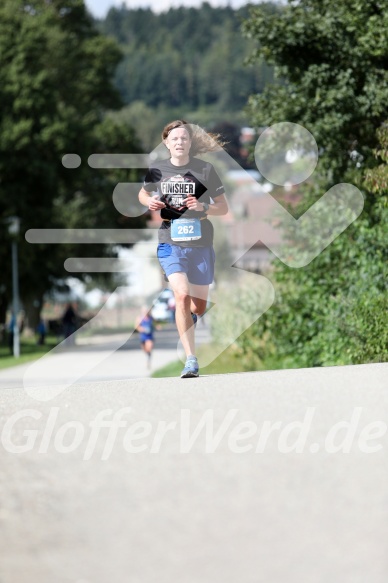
<point x="227" y="362"/>
<point x="29" y="351"/>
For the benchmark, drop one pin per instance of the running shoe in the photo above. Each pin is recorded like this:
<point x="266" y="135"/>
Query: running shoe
<point x="191" y="368"/>
<point x="195" y="318"/>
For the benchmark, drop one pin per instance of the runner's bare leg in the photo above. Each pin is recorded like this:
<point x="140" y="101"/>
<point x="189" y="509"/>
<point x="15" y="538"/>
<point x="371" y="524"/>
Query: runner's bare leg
<point x="199" y="295"/>
<point x="185" y="304"/>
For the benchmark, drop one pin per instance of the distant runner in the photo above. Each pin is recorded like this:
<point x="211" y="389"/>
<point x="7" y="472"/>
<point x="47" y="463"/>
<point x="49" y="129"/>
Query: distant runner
<point x="188" y="190"/>
<point x="145" y="326"/>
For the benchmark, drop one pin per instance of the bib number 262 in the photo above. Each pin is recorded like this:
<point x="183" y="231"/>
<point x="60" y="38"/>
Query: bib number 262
<point x="186" y="230"/>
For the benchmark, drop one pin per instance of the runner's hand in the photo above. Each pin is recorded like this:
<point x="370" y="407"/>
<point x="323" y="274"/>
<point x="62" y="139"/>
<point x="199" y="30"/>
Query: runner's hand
<point x="155" y="204"/>
<point x="193" y="204"/>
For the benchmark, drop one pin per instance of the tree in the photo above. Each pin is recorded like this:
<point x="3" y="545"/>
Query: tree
<point x="55" y="85"/>
<point x="185" y="57"/>
<point x="332" y="60"/>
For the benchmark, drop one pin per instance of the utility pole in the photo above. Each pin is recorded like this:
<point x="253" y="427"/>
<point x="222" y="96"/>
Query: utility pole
<point x="13" y="229"/>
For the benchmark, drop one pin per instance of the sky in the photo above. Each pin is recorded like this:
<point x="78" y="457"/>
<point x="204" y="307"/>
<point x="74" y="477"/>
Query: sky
<point x="99" y="8"/>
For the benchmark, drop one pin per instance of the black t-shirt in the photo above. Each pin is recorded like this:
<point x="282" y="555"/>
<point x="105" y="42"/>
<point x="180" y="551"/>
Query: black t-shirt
<point x="173" y="184"/>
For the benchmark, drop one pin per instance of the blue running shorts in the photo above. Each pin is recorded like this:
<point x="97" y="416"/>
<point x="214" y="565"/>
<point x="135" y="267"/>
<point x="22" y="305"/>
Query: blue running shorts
<point x="196" y="262"/>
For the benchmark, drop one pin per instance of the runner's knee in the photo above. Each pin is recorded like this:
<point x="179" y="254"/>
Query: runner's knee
<point x="182" y="298"/>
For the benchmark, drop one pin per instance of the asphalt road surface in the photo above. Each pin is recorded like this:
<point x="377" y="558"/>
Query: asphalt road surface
<point x="104" y="357"/>
<point x="267" y="477"/>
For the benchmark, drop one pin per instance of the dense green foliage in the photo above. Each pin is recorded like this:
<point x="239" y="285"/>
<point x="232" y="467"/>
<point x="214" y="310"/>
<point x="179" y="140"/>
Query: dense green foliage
<point x="331" y="75"/>
<point x="185" y="57"/>
<point x="55" y="84"/>
<point x="186" y="63"/>
<point x="334" y="59"/>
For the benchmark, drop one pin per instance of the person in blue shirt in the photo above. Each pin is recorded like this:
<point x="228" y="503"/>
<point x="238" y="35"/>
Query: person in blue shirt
<point x="11" y="331"/>
<point x="145" y="327"/>
<point x="41" y="332"/>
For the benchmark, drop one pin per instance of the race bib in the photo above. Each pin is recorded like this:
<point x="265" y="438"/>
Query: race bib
<point x="186" y="229"/>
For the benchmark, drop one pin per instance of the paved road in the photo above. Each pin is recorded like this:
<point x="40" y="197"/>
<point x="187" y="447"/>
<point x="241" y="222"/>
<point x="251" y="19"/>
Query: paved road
<point x="109" y="357"/>
<point x="141" y="503"/>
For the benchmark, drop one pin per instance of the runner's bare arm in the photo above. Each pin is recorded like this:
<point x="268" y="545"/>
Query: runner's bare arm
<point x="150" y="201"/>
<point x="217" y="208"/>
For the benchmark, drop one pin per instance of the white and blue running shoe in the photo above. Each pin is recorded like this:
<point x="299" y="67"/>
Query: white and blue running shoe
<point x="191" y="369"/>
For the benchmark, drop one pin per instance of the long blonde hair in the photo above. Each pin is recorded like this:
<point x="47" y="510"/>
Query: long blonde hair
<point x="201" y="141"/>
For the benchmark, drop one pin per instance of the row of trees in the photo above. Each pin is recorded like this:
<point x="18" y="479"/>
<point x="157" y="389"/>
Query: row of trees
<point x="185" y="57"/>
<point x="330" y="65"/>
<point x="334" y="61"/>
<point x="69" y="84"/>
<point x="55" y="85"/>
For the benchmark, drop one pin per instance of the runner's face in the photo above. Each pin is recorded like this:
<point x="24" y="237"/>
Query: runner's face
<point x="179" y="143"/>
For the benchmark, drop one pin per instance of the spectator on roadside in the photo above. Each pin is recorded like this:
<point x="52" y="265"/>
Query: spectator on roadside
<point x="41" y="332"/>
<point x="11" y="332"/>
<point x="69" y="322"/>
